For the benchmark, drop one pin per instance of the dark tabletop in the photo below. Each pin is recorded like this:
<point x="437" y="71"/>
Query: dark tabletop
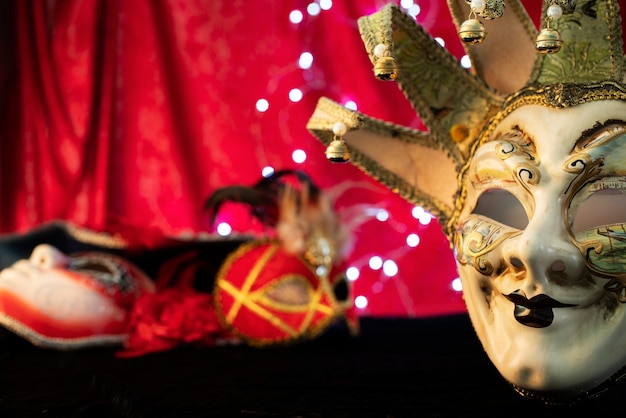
<point x="433" y="367"/>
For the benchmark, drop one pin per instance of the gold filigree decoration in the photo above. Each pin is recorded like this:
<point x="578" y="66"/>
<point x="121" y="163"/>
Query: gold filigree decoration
<point x="477" y="238"/>
<point x="604" y="249"/>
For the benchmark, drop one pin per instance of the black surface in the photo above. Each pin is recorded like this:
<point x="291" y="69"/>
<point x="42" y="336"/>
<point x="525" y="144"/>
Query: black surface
<point x="395" y="368"/>
<point x="431" y="367"/>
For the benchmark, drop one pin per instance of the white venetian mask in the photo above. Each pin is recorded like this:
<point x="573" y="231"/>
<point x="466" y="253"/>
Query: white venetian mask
<point x="540" y="246"/>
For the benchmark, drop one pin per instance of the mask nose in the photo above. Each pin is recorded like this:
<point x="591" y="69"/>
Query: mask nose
<point x="46" y="257"/>
<point x="545" y="255"/>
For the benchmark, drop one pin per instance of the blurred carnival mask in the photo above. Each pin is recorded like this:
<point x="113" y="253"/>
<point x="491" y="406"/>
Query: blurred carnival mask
<point x="64" y="301"/>
<point x="289" y="285"/>
<point x="266" y="295"/>
<point x="285" y="286"/>
<point x="524" y="164"/>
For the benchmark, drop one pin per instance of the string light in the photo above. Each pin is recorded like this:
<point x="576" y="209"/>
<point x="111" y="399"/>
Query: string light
<point x="413" y="10"/>
<point x="350" y="104"/>
<point x="262" y="105"/>
<point x="298" y="156"/>
<point x="466" y="62"/>
<point x="305" y="61"/>
<point x="296" y="16"/>
<point x="295" y="95"/>
<point x="390" y="268"/>
<point x="412" y="240"/>
<point x="382" y="215"/>
<point x="267" y="171"/>
<point x="375" y="262"/>
<point x="313" y="9"/>
<point x="360" y="302"/>
<point x="421" y="215"/>
<point x="425" y="219"/>
<point x="224" y="229"/>
<point x="352" y="273"/>
<point x="417" y="211"/>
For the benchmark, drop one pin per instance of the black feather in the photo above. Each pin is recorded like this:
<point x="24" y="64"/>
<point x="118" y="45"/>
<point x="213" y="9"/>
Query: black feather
<point x="262" y="197"/>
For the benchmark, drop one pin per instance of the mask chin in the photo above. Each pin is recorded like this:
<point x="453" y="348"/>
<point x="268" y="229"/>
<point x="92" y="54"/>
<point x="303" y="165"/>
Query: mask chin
<point x="571" y="397"/>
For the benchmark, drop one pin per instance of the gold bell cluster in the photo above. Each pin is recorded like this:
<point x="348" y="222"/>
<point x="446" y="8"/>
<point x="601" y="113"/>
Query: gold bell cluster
<point x="386" y="66"/>
<point x="338" y="151"/>
<point x="472" y="31"/>
<point x="548" y="41"/>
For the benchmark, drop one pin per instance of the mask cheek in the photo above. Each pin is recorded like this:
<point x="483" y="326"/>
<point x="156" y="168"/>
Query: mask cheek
<point x="604" y="250"/>
<point x="478" y="244"/>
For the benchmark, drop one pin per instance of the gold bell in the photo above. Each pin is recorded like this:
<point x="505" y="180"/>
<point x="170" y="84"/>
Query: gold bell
<point x="548" y="41"/>
<point x="338" y="151"/>
<point x="472" y="32"/>
<point x="386" y="68"/>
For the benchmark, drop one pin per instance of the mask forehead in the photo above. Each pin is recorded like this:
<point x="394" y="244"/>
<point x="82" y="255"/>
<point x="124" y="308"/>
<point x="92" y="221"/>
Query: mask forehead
<point x="555" y="131"/>
<point x="546" y="139"/>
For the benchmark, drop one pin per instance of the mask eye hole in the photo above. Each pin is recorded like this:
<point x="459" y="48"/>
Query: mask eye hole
<point x="341" y="289"/>
<point x="503" y="207"/>
<point x="605" y="207"/>
<point x="292" y="291"/>
<point x="99" y="268"/>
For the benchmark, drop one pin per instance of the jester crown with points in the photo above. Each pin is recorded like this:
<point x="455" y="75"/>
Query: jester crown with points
<point x="460" y="108"/>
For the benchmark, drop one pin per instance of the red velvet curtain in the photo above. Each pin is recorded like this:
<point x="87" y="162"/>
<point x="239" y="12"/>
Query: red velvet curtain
<point x="126" y="114"/>
<point x="132" y="112"/>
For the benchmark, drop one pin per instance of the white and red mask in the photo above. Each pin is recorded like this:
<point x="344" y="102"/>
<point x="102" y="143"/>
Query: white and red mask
<point x="60" y="301"/>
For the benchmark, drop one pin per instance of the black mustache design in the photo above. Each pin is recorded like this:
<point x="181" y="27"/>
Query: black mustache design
<point x="536" y="312"/>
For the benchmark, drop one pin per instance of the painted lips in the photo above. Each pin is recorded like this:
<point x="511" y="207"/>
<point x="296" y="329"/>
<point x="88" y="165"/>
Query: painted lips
<point x="536" y="312"/>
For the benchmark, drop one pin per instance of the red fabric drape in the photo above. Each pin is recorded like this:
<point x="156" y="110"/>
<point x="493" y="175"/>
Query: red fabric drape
<point x="125" y="115"/>
<point x="132" y="112"/>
